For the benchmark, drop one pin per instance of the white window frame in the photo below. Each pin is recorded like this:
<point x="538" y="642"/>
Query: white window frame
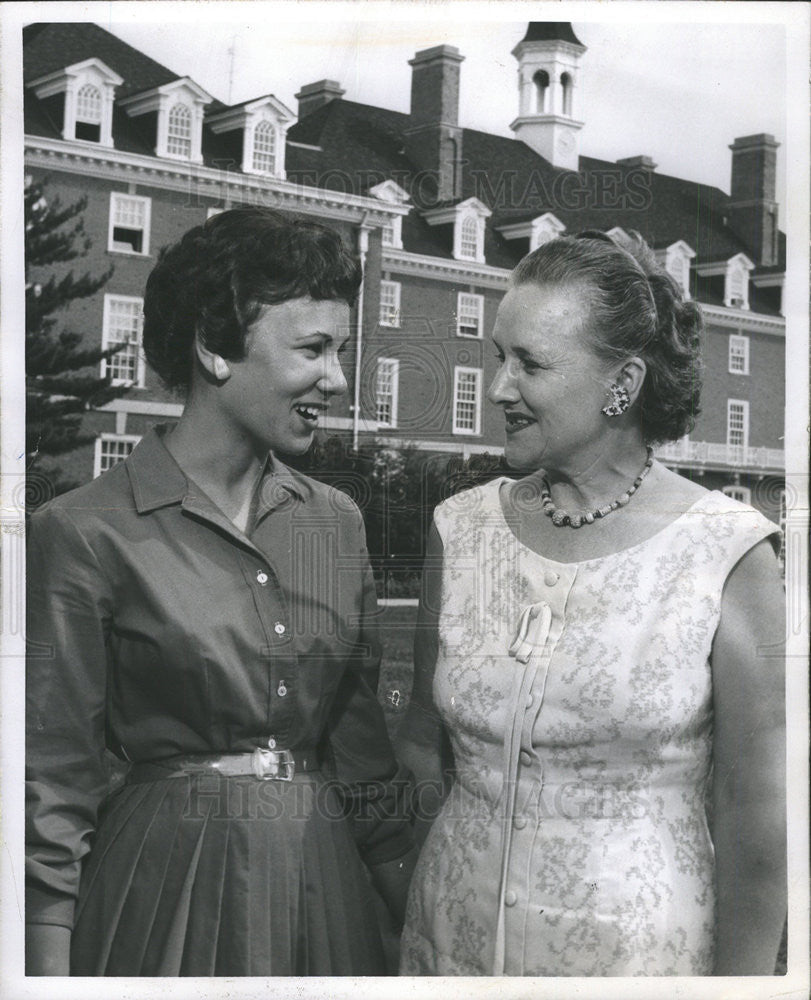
<point x="738" y="348"/>
<point x="180" y="110"/>
<point x="458" y="372"/>
<point x="131" y="439"/>
<point x="268" y="128"/>
<point x="740" y="493"/>
<point x="737" y="267"/>
<point x="465" y="220"/>
<point x="106" y="340"/>
<point x="390" y="312"/>
<point x="393" y="366"/>
<point x="115" y="198"/>
<point x="733" y="405"/>
<point x="464" y="302"/>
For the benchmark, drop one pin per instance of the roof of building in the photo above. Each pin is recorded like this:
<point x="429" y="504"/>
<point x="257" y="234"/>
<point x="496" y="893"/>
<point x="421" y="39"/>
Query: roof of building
<point x="351" y="147"/>
<point x="551" y="31"/>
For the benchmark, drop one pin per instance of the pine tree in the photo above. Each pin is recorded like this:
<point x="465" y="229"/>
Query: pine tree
<point x="62" y="380"/>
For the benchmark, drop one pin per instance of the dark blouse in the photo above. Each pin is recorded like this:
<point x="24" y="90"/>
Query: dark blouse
<point x="156" y="627"/>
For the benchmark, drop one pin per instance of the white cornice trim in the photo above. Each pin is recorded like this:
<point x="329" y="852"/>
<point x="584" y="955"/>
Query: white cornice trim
<point x="439" y="445"/>
<point x="744" y="318"/>
<point x="199" y="181"/>
<point x="768" y="280"/>
<point x="445" y="269"/>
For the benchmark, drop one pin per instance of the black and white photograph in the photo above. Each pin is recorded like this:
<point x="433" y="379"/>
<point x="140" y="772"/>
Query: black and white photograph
<point x="404" y="476"/>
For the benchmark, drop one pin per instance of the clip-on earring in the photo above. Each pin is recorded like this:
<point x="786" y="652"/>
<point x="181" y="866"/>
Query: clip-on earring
<point x="620" y="400"/>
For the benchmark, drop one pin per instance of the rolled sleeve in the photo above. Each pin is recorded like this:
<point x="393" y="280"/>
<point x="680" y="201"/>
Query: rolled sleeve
<point x="376" y="790"/>
<point x="68" y="614"/>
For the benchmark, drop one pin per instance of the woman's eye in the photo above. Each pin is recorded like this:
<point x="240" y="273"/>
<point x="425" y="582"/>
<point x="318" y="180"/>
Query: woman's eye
<point x="313" y="350"/>
<point x="530" y="366"/>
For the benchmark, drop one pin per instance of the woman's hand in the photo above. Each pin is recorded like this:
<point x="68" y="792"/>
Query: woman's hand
<point x="47" y="950"/>
<point x="749" y="804"/>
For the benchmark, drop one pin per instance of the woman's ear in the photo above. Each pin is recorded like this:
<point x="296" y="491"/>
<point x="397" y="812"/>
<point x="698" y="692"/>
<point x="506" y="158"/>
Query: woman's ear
<point x="631" y="377"/>
<point x="212" y="363"/>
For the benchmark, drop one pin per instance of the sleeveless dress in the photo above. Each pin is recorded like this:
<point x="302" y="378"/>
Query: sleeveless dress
<point x="578" y="699"/>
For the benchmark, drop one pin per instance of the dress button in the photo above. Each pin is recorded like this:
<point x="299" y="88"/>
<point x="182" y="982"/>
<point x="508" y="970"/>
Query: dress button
<point x="281" y="691"/>
<point x="262" y="577"/>
<point x="520" y="822"/>
<point x="530" y="699"/>
<point x="278" y="628"/>
<point x="510" y="898"/>
<point x="525" y="758"/>
<point x="550" y="578"/>
<point x="272" y="743"/>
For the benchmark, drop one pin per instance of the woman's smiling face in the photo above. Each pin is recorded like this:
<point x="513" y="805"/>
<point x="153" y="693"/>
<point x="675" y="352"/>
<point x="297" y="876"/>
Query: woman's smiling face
<point x="291" y="370"/>
<point x="550" y="384"/>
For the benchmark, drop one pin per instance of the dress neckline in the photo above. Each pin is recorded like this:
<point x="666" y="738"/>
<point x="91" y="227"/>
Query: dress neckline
<point x="497" y="483"/>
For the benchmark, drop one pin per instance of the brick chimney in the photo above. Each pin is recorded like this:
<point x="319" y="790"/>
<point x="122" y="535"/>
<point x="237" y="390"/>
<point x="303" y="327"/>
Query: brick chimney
<point x="314" y="95"/>
<point x="433" y="139"/>
<point x="752" y="209"/>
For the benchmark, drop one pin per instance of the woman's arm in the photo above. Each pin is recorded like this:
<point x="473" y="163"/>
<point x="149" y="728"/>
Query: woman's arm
<point x="68" y="607"/>
<point x="749" y="793"/>
<point x="420" y="743"/>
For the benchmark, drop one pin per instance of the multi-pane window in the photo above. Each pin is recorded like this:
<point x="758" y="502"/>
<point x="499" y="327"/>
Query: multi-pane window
<point x="112" y="449"/>
<point x="129" y="223"/>
<point x="88" y="113"/>
<point x="741" y="493"/>
<point x="264" y="148"/>
<point x="122" y="326"/>
<point x="386" y="391"/>
<point x="469" y="314"/>
<point x="737" y="423"/>
<point x="178" y="136"/>
<point x="389" y="303"/>
<point x="736" y="292"/>
<point x="469" y="238"/>
<point x="738" y="355"/>
<point x="467" y="383"/>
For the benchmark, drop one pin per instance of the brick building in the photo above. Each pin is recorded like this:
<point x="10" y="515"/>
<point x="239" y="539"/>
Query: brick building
<point x="440" y="213"/>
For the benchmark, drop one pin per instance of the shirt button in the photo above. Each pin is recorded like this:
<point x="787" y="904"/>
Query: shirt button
<point x="510" y="898"/>
<point x="281" y="691"/>
<point x="278" y="628"/>
<point x="525" y="758"/>
<point x="550" y="578"/>
<point x="262" y="578"/>
<point x="520" y="822"/>
<point x="272" y="743"/>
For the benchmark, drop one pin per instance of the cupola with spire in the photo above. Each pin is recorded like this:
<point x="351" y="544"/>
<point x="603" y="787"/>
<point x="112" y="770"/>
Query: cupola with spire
<point x="548" y="66"/>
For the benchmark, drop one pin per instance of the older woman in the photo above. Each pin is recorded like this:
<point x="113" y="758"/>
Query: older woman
<point x="601" y="639"/>
<point x="203" y="612"/>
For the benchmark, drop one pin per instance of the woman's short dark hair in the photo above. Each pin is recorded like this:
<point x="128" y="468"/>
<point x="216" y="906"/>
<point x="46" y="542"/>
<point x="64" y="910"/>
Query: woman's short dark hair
<point x="637" y="308"/>
<point x="216" y="278"/>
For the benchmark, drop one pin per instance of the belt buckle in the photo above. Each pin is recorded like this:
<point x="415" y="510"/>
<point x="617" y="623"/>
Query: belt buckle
<point x="273" y="765"/>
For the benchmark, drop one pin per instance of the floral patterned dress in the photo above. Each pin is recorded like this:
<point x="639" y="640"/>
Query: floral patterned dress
<point x="578" y="698"/>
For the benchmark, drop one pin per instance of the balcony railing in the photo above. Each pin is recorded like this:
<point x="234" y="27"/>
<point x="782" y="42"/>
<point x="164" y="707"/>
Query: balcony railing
<point x="709" y="453"/>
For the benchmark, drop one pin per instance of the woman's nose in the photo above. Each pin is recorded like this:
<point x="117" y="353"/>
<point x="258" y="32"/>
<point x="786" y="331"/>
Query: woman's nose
<point x="503" y="388"/>
<point x="333" y="380"/>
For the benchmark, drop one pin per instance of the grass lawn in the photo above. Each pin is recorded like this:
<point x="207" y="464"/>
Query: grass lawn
<point x="397" y="636"/>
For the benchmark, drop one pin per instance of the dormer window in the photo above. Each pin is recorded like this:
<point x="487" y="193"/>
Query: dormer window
<point x="736" y="282"/>
<point x="177" y="111"/>
<point x="676" y="261"/>
<point x="263" y="123"/>
<point x="88" y="113"/>
<point x="179" y="132"/>
<point x="392" y="230"/>
<point x="468" y="218"/>
<point x="264" y="148"/>
<point x="81" y="97"/>
<point x="538" y="231"/>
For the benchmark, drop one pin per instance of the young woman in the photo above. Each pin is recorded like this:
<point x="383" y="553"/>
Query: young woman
<point x="205" y="614"/>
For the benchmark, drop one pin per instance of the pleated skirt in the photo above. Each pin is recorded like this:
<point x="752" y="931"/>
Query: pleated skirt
<point x="214" y="876"/>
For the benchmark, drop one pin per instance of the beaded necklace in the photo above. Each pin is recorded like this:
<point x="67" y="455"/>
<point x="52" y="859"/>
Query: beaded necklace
<point x="560" y="518"/>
